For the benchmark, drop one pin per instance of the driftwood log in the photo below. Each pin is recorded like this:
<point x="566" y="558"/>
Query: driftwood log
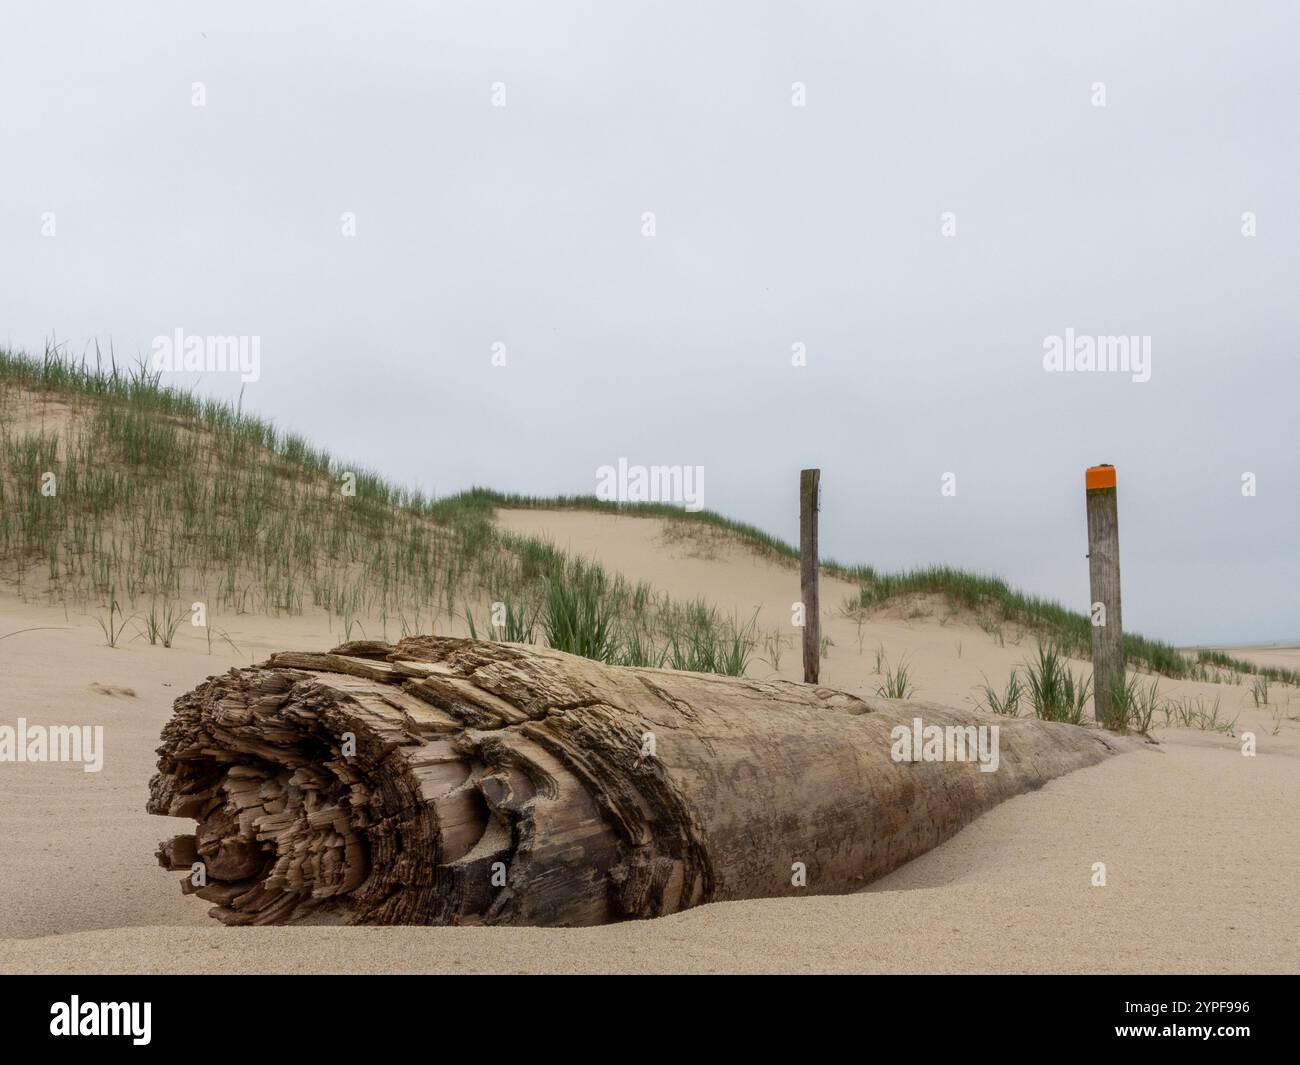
<point x="453" y="781"/>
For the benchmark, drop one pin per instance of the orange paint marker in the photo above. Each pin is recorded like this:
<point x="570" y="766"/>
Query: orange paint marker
<point x="1099" y="477"/>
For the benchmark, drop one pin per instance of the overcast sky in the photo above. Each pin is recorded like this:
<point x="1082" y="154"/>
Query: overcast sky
<point x="774" y="224"/>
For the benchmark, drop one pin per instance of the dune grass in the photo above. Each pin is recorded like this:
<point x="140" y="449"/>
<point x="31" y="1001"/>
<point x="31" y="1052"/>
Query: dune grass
<point x="898" y="681"/>
<point x="487" y="500"/>
<point x="156" y="498"/>
<point x="162" y="496"/>
<point x="1055" y="694"/>
<point x="1006" y="703"/>
<point x="1052" y="688"/>
<point x="990" y="598"/>
<point x="996" y="604"/>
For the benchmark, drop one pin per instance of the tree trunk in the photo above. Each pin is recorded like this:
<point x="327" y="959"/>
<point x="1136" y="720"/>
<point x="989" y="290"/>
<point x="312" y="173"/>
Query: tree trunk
<point x="453" y="781"/>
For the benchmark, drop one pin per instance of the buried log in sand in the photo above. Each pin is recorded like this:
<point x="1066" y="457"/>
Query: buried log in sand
<point x="453" y="781"/>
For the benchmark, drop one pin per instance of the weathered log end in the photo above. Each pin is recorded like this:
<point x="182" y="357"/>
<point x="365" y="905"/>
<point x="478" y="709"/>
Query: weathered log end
<point x="453" y="781"/>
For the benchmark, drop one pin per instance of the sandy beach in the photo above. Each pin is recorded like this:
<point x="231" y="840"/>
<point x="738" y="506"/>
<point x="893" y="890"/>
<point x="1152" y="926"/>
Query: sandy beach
<point x="1198" y="841"/>
<point x="563" y="488"/>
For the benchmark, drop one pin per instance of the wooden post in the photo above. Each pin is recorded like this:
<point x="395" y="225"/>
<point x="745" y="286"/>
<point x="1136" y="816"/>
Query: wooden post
<point x="809" y="482"/>
<point x="1103" y="580"/>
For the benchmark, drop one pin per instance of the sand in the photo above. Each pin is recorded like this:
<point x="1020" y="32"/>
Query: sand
<point x="1199" y="843"/>
<point x="1277" y="656"/>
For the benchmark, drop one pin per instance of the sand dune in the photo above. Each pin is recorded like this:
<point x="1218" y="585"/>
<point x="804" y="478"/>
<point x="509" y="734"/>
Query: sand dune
<point x="1199" y="842"/>
<point x="1277" y="656"/>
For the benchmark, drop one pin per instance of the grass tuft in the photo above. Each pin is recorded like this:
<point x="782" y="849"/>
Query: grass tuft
<point x="1053" y="691"/>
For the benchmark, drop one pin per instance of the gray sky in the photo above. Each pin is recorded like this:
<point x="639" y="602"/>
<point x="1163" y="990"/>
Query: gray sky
<point x="775" y="225"/>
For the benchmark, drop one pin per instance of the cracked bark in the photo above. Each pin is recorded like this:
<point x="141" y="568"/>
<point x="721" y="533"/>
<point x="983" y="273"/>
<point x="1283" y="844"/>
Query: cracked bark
<point x="502" y="784"/>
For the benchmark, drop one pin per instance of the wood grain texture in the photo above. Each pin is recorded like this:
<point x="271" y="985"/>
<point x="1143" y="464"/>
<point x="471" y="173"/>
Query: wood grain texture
<point x="503" y="784"/>
<point x="1103" y="583"/>
<point x="809" y="574"/>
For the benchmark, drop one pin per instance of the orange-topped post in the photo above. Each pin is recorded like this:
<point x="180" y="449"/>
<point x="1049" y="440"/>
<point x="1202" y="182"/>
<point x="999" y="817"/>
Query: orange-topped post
<point x="1103" y="580"/>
